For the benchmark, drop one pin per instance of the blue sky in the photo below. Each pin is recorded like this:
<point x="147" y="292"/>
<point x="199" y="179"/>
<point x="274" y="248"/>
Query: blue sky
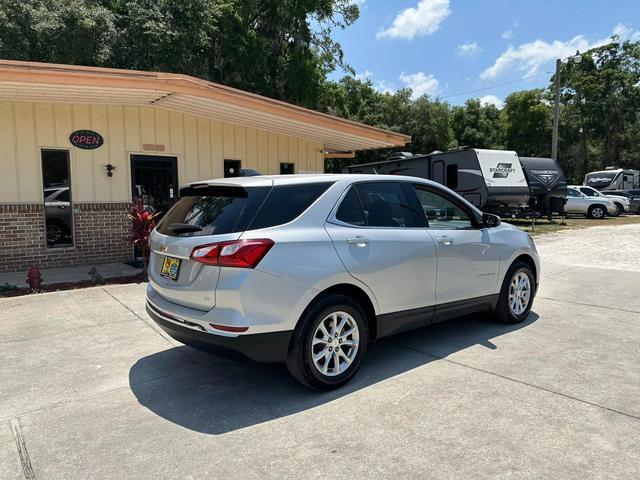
<point x="448" y="47"/>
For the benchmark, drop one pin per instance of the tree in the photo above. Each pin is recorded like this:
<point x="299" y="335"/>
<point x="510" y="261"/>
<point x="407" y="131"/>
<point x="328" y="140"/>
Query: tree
<point x="477" y="125"/>
<point x="601" y="97"/>
<point x="281" y="49"/>
<point x="526" y="120"/>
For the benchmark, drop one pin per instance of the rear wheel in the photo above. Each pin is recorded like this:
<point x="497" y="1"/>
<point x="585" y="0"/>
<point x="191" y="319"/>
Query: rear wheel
<point x="596" y="211"/>
<point x="329" y="343"/>
<point x="516" y="295"/>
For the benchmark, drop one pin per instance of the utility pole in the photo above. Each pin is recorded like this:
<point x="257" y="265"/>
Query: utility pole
<point x="556" y="111"/>
<point x="577" y="58"/>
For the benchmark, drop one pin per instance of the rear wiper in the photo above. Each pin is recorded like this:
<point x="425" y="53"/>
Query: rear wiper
<point x="184" y="228"/>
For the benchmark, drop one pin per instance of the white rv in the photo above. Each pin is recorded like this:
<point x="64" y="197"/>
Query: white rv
<point x="493" y="180"/>
<point x="613" y="178"/>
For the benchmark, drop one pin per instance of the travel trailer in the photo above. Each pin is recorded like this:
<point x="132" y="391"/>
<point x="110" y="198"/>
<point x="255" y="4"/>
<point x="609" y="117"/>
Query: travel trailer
<point x="613" y="178"/>
<point x="493" y="180"/>
<point x="547" y="184"/>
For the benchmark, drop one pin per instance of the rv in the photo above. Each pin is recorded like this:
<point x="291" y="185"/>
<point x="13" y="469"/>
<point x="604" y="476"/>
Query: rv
<point x="547" y="184"/>
<point x="613" y="178"/>
<point x="493" y="180"/>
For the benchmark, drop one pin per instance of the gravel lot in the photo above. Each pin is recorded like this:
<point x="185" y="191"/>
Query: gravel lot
<point x="616" y="248"/>
<point x="91" y="389"/>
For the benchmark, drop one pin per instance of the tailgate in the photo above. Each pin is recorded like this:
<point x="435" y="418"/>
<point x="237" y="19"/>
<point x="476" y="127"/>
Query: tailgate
<point x="195" y="283"/>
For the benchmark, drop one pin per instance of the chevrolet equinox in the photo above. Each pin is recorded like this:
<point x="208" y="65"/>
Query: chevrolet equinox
<point x="310" y="270"/>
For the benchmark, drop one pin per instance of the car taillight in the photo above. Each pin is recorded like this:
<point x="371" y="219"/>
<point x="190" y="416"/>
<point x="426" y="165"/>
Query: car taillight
<point x="236" y="253"/>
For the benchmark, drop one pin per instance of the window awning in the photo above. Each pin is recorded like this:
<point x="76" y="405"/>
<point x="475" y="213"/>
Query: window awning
<point x="52" y="83"/>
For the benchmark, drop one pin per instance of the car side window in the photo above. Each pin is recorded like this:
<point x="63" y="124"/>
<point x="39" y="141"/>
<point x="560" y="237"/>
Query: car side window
<point x="377" y="204"/>
<point x="572" y="193"/>
<point x="350" y="210"/>
<point x="588" y="192"/>
<point x="441" y="212"/>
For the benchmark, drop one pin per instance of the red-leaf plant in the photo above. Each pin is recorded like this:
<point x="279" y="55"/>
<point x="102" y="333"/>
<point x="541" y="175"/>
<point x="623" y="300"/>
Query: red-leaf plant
<point x="142" y="224"/>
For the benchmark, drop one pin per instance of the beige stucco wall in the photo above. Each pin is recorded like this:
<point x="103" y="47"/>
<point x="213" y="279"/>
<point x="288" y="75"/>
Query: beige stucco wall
<point x="200" y="144"/>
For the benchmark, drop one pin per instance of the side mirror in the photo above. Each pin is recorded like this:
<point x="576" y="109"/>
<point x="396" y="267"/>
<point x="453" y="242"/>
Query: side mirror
<point x="489" y="220"/>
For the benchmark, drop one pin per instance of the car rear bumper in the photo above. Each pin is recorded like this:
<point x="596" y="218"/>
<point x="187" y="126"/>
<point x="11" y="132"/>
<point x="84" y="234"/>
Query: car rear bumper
<point x="261" y="347"/>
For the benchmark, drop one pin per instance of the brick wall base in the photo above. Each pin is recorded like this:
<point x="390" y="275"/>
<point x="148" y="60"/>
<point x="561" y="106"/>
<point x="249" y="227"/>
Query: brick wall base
<point x="101" y="231"/>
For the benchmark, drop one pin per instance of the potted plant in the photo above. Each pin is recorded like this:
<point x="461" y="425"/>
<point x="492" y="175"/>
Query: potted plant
<point x="143" y="222"/>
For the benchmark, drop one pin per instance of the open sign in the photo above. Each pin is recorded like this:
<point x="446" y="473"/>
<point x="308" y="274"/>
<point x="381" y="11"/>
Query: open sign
<point x="86" y="139"/>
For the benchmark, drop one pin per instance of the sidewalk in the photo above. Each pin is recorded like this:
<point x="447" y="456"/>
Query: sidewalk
<point x="77" y="273"/>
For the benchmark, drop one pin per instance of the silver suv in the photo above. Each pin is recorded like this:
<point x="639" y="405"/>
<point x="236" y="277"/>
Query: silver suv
<point x="310" y="270"/>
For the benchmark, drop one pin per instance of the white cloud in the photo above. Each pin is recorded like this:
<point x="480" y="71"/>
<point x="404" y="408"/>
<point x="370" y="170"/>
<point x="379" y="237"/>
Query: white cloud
<point x="384" y="87"/>
<point x="531" y="57"/>
<point x="625" y="32"/>
<point x="491" y="100"/>
<point x="366" y="75"/>
<point x="420" y="84"/>
<point x="469" y="49"/>
<point x="423" y="19"/>
<point x="507" y="34"/>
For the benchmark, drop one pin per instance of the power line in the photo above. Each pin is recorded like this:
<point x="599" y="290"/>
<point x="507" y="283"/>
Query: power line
<point x="497" y="85"/>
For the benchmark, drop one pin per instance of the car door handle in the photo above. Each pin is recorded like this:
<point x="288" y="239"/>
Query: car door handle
<point x="446" y="241"/>
<point x="358" y="241"/>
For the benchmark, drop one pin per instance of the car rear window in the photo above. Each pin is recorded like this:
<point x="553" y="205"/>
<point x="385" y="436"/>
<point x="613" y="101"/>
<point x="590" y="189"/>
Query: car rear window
<point x="216" y="210"/>
<point x="286" y="203"/>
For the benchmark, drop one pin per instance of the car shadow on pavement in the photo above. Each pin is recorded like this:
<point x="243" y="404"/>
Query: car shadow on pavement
<point x="213" y="395"/>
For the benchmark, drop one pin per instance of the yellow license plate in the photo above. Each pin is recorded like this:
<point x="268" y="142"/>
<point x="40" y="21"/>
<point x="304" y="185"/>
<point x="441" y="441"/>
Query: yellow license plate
<point x="170" y="268"/>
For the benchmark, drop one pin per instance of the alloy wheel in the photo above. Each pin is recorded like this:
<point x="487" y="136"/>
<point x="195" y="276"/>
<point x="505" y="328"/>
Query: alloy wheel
<point x="335" y="343"/>
<point x="519" y="293"/>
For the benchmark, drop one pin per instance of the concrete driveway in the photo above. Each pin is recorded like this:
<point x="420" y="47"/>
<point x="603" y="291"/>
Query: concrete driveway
<point x="90" y="388"/>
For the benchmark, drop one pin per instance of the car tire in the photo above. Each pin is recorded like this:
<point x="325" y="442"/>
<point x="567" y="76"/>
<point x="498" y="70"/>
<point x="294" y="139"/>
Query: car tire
<point x="619" y="210"/>
<point x="316" y="355"/>
<point x="519" y="282"/>
<point x="597" y="212"/>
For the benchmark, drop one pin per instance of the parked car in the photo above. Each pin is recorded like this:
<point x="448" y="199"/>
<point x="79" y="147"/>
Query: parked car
<point x="622" y="203"/>
<point x="310" y="270"/>
<point x="592" y="207"/>
<point x="634" y="199"/>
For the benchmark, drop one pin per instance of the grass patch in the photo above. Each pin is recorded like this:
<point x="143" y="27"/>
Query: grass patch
<point x="543" y="226"/>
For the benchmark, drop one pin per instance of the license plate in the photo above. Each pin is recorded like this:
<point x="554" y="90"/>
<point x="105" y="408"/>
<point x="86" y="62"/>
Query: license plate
<point x="170" y="268"/>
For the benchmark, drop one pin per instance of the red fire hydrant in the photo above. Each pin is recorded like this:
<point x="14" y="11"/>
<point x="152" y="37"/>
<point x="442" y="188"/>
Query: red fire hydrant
<point x="34" y="278"/>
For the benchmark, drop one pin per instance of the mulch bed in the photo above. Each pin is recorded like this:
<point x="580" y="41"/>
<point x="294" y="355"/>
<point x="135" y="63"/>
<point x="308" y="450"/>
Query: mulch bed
<point x="54" y="287"/>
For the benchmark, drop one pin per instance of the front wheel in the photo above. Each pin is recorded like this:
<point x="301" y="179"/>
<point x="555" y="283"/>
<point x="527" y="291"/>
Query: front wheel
<point x="329" y="343"/>
<point x="516" y="296"/>
<point x="618" y="211"/>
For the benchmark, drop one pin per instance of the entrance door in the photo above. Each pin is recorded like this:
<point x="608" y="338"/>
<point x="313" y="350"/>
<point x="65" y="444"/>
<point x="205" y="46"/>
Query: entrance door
<point x="154" y="180"/>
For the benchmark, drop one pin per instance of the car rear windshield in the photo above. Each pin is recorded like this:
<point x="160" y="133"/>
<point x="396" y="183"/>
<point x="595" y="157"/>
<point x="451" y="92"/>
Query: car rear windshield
<point x="218" y="210"/>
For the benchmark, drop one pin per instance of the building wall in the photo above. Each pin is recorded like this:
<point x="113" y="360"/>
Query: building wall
<point x="200" y="144"/>
<point x="101" y="236"/>
<point x="100" y="202"/>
